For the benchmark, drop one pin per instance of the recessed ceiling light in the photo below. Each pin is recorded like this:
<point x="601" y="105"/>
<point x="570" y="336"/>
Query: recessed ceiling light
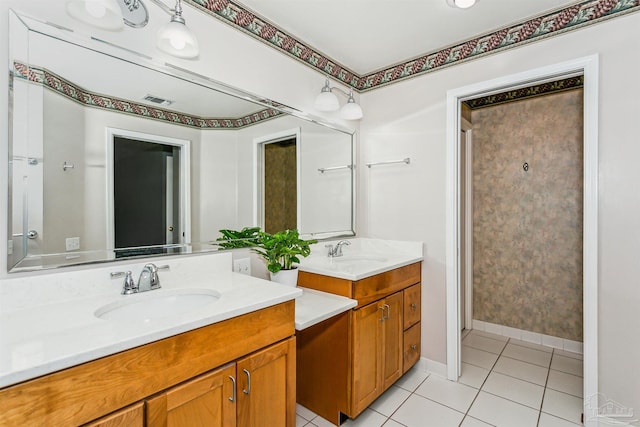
<point x="462" y="4"/>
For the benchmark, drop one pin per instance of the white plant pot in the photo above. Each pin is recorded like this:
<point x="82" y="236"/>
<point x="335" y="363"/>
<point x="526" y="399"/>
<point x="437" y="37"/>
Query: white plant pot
<point x="285" y="277"/>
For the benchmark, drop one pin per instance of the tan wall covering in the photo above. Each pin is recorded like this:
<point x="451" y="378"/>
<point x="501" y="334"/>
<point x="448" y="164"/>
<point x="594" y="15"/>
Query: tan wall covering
<point x="280" y="187"/>
<point x="528" y="225"/>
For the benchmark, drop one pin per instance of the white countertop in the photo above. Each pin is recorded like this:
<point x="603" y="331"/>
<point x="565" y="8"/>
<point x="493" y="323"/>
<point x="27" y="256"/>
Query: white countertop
<point x="48" y="321"/>
<point x="313" y="307"/>
<point x="40" y="338"/>
<point x="362" y="258"/>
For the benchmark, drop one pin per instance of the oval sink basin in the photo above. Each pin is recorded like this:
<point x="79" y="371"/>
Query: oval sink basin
<point x="359" y="259"/>
<point x="147" y="307"/>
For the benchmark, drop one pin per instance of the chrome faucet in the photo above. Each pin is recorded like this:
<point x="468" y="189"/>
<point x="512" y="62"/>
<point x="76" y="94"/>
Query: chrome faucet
<point x="336" y="251"/>
<point x="148" y="280"/>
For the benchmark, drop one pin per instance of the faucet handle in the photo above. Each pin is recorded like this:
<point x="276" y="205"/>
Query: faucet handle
<point x="331" y="250"/>
<point x="129" y="287"/>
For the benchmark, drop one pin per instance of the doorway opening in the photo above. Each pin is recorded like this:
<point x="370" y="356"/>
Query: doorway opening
<point x="148" y="194"/>
<point x="276" y="189"/>
<point x="588" y="67"/>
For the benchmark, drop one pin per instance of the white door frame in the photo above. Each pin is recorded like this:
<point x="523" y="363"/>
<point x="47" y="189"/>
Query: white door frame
<point x="185" y="179"/>
<point x="467" y="313"/>
<point x="588" y="66"/>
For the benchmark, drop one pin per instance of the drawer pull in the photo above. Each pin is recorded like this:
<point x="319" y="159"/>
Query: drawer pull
<point x="248" y="389"/>
<point x="414" y="347"/>
<point x="233" y="396"/>
<point x="414" y="306"/>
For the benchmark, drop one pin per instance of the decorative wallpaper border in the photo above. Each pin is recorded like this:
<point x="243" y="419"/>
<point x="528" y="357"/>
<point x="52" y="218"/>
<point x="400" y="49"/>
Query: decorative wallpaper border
<point x="572" y="17"/>
<point x="527" y="92"/>
<point x="76" y="93"/>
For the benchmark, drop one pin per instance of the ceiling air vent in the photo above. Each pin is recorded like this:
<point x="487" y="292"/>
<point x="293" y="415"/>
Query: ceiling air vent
<point x="157" y="100"/>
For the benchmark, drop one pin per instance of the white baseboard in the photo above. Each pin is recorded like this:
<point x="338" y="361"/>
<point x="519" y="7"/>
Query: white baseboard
<point x="533" y="337"/>
<point x="432" y="367"/>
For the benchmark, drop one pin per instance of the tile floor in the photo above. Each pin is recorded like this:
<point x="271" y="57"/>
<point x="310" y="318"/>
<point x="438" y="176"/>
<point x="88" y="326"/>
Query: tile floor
<point x="504" y="383"/>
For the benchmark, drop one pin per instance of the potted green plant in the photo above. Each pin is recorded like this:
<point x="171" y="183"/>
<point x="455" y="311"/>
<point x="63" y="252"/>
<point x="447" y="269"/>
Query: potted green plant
<point x="234" y="239"/>
<point x="281" y="250"/>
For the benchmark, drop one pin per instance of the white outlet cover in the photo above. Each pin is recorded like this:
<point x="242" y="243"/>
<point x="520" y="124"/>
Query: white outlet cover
<point x="242" y="265"/>
<point x="72" y="243"/>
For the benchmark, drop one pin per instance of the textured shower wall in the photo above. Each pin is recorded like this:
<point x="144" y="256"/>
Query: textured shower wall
<point x="280" y="194"/>
<point x="527" y="225"/>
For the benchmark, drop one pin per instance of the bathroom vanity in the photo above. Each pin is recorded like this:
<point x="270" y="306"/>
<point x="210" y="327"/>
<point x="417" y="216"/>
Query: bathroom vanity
<point x="229" y="362"/>
<point x="347" y="361"/>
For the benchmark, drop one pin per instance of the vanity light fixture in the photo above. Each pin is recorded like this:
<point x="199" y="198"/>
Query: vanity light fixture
<point x="174" y="38"/>
<point x="328" y="101"/>
<point x="462" y="4"/>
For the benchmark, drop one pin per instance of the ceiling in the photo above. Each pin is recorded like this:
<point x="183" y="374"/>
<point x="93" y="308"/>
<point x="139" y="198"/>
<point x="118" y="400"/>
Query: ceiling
<point x="368" y="35"/>
<point x="367" y="44"/>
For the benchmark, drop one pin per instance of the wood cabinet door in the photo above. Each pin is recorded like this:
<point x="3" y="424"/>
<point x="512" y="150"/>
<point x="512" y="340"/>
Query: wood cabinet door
<point x="267" y="387"/>
<point x="131" y="416"/>
<point x="207" y="400"/>
<point x="392" y="339"/>
<point x="366" y="362"/>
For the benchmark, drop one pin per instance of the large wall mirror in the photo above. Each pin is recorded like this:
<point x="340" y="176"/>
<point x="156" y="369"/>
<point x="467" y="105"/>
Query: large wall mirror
<point x="113" y="155"/>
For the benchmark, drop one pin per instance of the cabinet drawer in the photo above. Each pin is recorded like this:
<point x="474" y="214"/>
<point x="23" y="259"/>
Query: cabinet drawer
<point x="411" y="306"/>
<point x="411" y="347"/>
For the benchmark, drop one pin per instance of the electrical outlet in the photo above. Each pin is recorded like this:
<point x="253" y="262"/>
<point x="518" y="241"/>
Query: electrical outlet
<point x="242" y="265"/>
<point x="72" y="243"/>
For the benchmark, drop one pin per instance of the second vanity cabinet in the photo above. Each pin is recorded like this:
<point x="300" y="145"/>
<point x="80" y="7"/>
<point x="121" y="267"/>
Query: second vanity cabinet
<point x="363" y="351"/>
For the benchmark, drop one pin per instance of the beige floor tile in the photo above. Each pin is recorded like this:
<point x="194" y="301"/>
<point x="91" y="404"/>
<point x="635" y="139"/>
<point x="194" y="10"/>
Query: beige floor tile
<point x="502" y="412"/>
<point x="484" y="343"/>
<point x="449" y="393"/>
<point x="529" y="355"/>
<point x="480" y="358"/>
<point x="514" y="389"/>
<point x="473" y="376"/>
<point x="418" y="411"/>
<point x="567" y="364"/>
<point x="522" y="370"/>
<point x="566" y="383"/>
<point x="562" y="405"/>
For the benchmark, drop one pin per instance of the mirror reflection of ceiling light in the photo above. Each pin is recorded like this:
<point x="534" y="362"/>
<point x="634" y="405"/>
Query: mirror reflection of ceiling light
<point x="174" y="38"/>
<point x="462" y="4"/>
<point x="328" y="101"/>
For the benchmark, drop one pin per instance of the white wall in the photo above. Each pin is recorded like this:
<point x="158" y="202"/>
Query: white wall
<point x="408" y="202"/>
<point x="408" y="119"/>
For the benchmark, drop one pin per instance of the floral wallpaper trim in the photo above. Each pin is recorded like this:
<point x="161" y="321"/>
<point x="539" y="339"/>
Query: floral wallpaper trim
<point x="570" y="18"/>
<point x="82" y="96"/>
<point x="527" y="92"/>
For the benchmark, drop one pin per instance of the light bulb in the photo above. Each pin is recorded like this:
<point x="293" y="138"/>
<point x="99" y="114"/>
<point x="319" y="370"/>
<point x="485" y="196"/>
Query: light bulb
<point x="464" y="4"/>
<point x="95" y="9"/>
<point x="177" y="42"/>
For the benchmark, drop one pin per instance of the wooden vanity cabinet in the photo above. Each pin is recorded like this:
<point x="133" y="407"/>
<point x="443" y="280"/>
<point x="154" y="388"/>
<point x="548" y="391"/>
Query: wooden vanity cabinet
<point x="181" y="381"/>
<point x="132" y="416"/>
<point x="372" y="340"/>
<point x="377" y="349"/>
<point x="256" y="390"/>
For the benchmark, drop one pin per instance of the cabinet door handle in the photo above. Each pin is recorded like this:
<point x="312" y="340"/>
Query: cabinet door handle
<point x="414" y="347"/>
<point x="233" y="395"/>
<point x="413" y="306"/>
<point x="382" y="318"/>
<point x="248" y="389"/>
<point x="388" y="311"/>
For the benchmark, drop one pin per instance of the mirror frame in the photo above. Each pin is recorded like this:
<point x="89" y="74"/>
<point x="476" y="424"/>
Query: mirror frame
<point x="21" y="23"/>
